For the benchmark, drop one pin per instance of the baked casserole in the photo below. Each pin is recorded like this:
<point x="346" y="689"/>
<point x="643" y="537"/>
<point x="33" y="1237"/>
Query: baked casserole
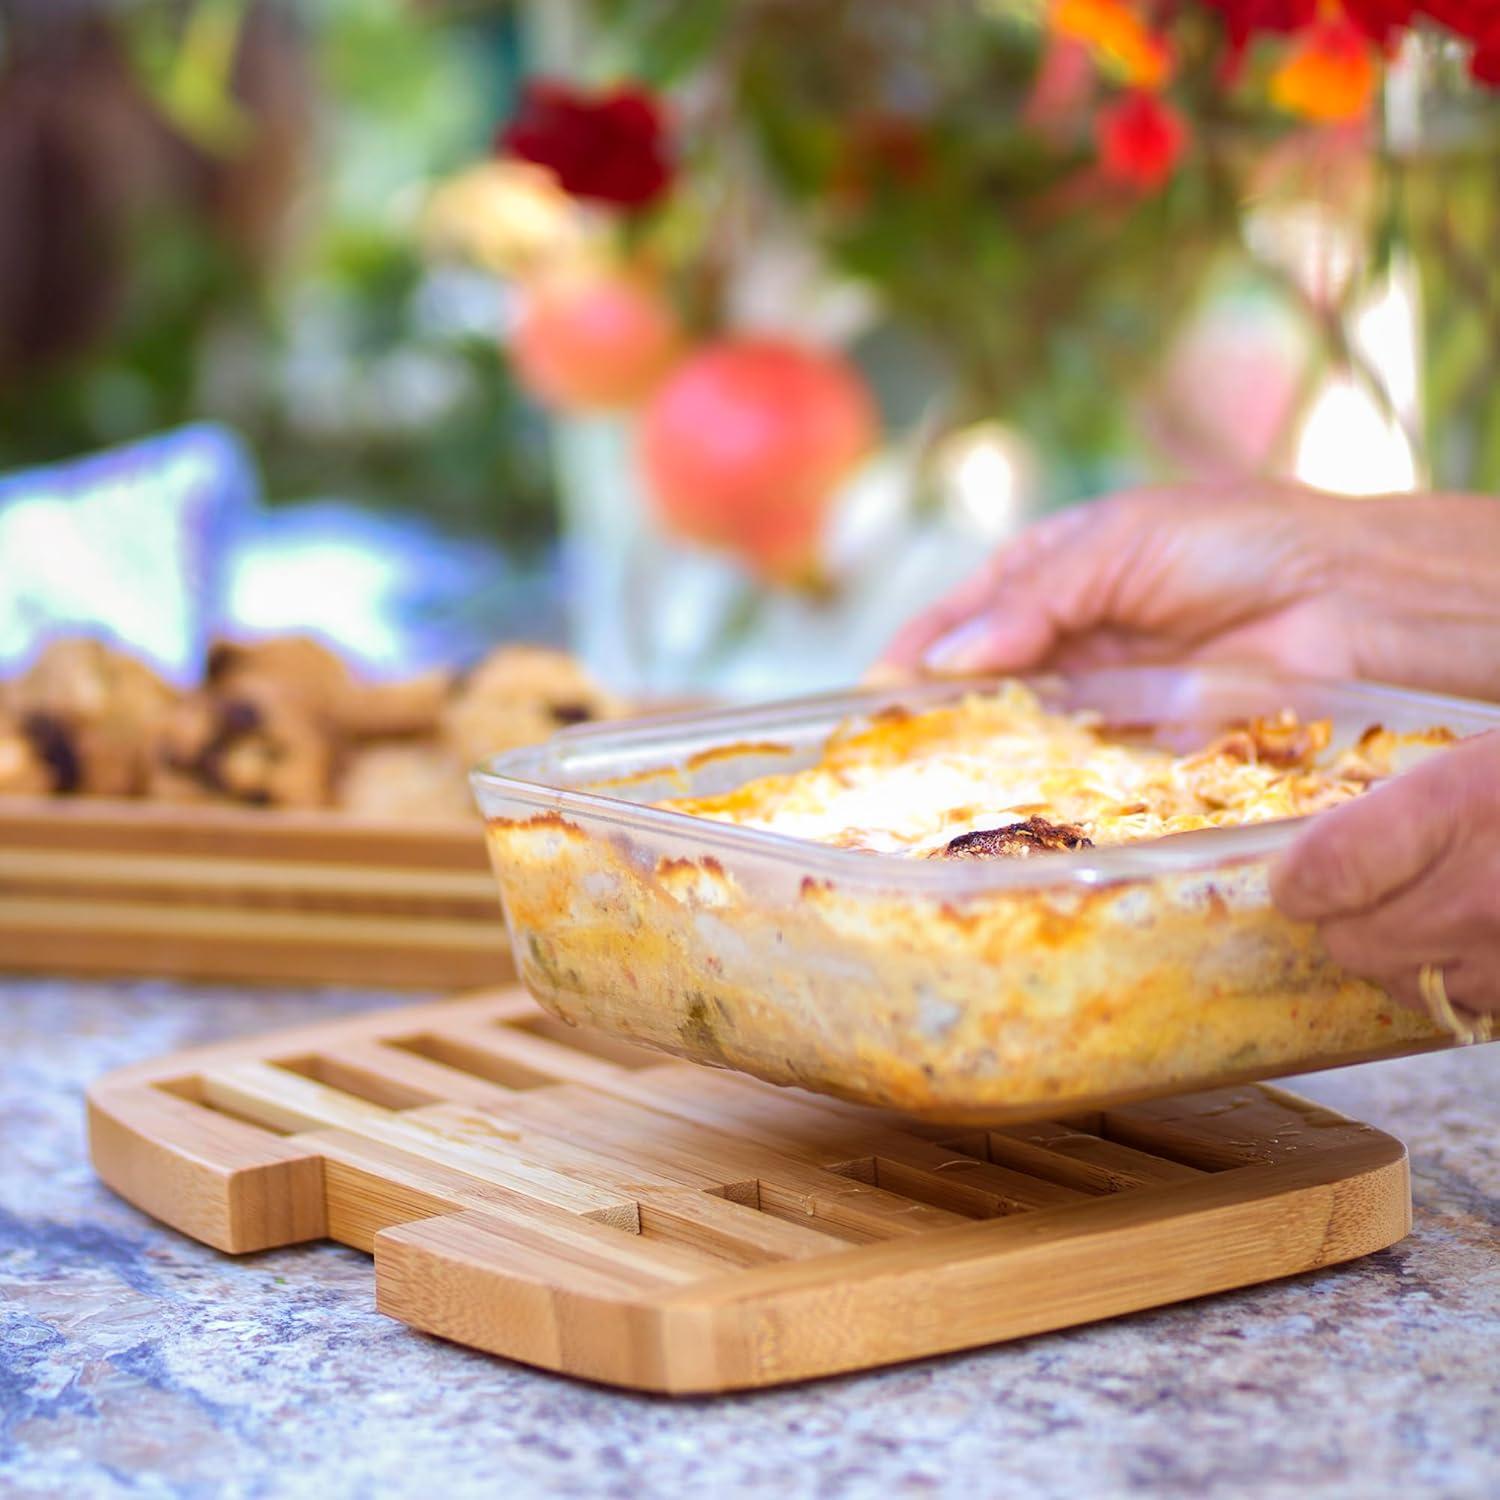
<point x="972" y="905"/>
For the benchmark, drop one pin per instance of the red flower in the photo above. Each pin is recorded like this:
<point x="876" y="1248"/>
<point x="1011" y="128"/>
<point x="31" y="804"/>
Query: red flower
<point x="1381" y="20"/>
<point x="1469" y="18"/>
<point x="1141" y="139"/>
<point x="1485" y="64"/>
<point x="1477" y="21"/>
<point x="1243" y="19"/>
<point x="609" y="147"/>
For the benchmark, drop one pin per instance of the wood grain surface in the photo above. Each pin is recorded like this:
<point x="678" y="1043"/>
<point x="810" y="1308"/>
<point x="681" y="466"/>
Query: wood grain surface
<point x="92" y="886"/>
<point x="557" y="1197"/>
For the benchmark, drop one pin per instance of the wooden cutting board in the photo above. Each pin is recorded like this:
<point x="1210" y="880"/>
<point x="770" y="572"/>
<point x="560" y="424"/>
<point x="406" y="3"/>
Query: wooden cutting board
<point x="558" y="1197"/>
<point x="93" y="886"/>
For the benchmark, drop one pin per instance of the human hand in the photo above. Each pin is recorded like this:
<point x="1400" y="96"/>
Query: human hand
<point x="1404" y="589"/>
<point x="1409" y="875"/>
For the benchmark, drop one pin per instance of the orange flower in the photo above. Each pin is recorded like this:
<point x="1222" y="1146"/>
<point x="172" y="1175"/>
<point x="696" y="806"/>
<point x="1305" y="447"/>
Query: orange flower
<point x="1114" y="31"/>
<point x="1329" y="76"/>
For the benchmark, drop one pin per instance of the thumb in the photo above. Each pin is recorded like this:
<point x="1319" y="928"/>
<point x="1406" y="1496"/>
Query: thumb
<point x="1358" y="855"/>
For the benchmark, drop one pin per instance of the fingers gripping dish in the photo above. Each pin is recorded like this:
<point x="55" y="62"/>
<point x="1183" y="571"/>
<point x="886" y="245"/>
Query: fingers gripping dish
<point x="969" y="907"/>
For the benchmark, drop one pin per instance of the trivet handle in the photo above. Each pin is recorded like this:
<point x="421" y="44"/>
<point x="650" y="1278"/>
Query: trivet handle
<point x="229" y="1184"/>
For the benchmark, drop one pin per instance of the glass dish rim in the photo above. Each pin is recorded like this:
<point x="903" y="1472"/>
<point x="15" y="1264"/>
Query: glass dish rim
<point x="513" y="774"/>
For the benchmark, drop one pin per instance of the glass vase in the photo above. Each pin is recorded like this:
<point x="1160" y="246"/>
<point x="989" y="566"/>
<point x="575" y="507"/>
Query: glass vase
<point x="659" y="618"/>
<point x="1438" y="224"/>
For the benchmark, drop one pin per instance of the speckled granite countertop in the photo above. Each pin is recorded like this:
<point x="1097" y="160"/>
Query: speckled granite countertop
<point x="135" y="1362"/>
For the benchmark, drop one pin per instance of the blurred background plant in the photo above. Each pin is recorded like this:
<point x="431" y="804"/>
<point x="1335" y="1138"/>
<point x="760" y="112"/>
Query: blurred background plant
<point x="771" y="315"/>
<point x="987" y="231"/>
<point x="207" y="209"/>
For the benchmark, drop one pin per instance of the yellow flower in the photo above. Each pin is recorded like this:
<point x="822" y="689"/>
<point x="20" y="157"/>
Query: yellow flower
<point x="1329" y="76"/>
<point x="1115" y="32"/>
<point x="508" y="216"/>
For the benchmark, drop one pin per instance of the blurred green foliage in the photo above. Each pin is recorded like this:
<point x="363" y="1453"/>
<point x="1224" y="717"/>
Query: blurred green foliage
<point x="354" y="368"/>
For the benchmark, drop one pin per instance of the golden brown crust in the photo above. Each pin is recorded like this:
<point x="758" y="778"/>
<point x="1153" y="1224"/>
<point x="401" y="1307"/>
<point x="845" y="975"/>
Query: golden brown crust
<point x="1016" y="841"/>
<point x="953" y="998"/>
<point x="948" y="781"/>
<point x="1001" y="1004"/>
<point x="1285" y="741"/>
<point x="733" y="752"/>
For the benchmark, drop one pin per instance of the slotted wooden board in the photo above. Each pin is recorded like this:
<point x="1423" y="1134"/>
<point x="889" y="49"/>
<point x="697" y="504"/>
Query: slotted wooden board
<point x="94" y="886"/>
<point x="558" y="1197"/>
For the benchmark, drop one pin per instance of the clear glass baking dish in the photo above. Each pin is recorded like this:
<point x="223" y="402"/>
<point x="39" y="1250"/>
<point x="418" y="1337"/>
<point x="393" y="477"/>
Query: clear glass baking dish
<point x="960" y="991"/>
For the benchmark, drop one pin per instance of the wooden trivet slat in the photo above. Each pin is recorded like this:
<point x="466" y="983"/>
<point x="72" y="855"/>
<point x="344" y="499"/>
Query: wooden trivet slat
<point x="559" y="1197"/>
<point x="92" y="886"/>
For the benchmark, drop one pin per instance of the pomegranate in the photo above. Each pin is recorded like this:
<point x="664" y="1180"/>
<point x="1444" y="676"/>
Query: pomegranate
<point x="744" y="445"/>
<point x="593" y="341"/>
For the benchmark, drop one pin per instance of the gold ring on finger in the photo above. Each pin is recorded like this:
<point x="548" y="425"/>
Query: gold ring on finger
<point x="1463" y="1026"/>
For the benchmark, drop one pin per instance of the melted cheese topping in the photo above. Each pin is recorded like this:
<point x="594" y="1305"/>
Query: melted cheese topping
<point x="911" y="783"/>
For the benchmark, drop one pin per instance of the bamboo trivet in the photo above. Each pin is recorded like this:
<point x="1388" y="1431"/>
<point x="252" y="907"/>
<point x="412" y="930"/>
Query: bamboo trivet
<point x="561" y="1198"/>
